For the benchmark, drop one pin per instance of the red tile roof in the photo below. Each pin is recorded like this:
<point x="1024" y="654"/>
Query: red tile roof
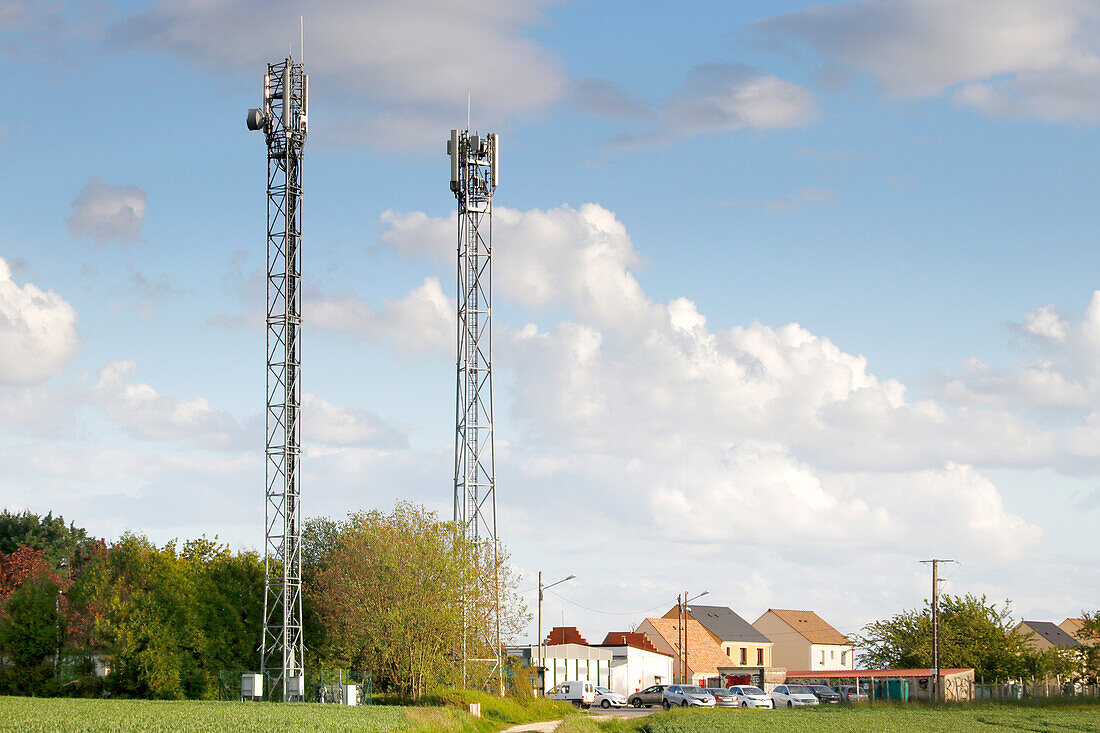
<point x="635" y="639"/>
<point x="565" y="635"/>
<point x="811" y="626"/>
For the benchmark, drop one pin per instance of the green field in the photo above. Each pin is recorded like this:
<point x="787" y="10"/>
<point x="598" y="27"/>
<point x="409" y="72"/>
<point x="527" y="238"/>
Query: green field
<point x="52" y="714"/>
<point x="877" y="719"/>
<point x="59" y="714"/>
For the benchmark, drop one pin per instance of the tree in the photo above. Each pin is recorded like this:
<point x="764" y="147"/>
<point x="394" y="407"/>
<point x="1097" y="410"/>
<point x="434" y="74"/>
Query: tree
<point x="391" y="594"/>
<point x="973" y="633"/>
<point x="1089" y="653"/>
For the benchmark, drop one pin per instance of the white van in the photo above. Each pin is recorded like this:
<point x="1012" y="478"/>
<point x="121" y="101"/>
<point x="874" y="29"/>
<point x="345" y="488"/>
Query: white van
<point x="579" y="692"/>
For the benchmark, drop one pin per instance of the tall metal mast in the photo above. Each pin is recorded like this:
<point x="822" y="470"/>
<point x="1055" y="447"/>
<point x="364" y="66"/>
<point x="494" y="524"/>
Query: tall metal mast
<point x="283" y="119"/>
<point x="475" y="166"/>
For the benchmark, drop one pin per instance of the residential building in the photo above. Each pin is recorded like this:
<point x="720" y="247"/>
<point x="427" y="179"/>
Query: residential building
<point x="1042" y="635"/>
<point x="1075" y="628"/>
<point x="802" y="640"/>
<point x="743" y="645"/>
<point x="702" y="655"/>
<point x="635" y="662"/>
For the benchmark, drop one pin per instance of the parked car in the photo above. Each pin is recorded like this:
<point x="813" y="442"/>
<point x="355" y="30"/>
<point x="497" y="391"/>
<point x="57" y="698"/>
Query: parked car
<point x="605" y="698"/>
<point x="824" y="693"/>
<point x="851" y="693"/>
<point x="793" y="696"/>
<point x="750" y="696"/>
<point x="723" y="698"/>
<point x="581" y="693"/>
<point x="687" y="696"/>
<point x="650" y="696"/>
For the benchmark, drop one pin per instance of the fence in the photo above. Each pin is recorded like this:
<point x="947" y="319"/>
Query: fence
<point x="1022" y="690"/>
<point x="334" y="686"/>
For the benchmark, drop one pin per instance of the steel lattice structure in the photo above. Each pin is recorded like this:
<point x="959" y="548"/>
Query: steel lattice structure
<point x="283" y="118"/>
<point x="474" y="176"/>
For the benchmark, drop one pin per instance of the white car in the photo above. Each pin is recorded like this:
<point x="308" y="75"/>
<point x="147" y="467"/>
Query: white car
<point x="793" y="696"/>
<point x="605" y="698"/>
<point x="750" y="696"/>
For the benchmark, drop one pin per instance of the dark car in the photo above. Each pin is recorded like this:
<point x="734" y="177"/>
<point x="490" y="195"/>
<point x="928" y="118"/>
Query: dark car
<point x="723" y="698"/>
<point x="825" y="694"/>
<point x="650" y="696"/>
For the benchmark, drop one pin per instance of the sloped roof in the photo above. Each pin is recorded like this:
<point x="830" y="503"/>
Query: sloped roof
<point x="636" y="639"/>
<point x="565" y="635"/>
<point x="811" y="626"/>
<point x="704" y="656"/>
<point x="724" y="623"/>
<point x="1052" y="633"/>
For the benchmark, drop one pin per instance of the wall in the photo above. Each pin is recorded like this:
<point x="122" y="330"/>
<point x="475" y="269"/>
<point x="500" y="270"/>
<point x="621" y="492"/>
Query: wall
<point x="790" y="649"/>
<point x="732" y="649"/>
<point x="833" y="655"/>
<point x="635" y="669"/>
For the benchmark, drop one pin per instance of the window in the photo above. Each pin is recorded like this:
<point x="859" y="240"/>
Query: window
<point x="744" y="655"/>
<point x="823" y="656"/>
<point x="832" y="654"/>
<point x="760" y="656"/>
<point x="728" y="652"/>
<point x="844" y="658"/>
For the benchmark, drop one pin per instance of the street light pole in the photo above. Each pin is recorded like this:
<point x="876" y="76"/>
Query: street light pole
<point x="539" y="630"/>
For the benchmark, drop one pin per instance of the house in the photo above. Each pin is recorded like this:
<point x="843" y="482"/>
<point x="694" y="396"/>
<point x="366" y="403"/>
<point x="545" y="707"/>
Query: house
<point x="1042" y="635"/>
<point x="567" y="656"/>
<point x="701" y="654"/>
<point x="743" y="645"/>
<point x="1075" y="628"/>
<point x="635" y="662"/>
<point x="802" y="640"/>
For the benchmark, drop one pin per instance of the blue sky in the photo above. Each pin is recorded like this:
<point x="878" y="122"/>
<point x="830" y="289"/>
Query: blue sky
<point x="803" y="290"/>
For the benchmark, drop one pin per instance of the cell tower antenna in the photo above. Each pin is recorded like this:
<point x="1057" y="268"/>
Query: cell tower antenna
<point x="284" y="119"/>
<point x="475" y="173"/>
<point x="302" y="37"/>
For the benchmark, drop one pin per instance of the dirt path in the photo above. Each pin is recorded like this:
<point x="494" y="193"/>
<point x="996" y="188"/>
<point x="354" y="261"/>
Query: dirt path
<point x="548" y="727"/>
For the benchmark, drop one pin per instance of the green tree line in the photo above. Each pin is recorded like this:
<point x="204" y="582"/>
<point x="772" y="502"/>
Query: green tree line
<point x="977" y="633"/>
<point x="383" y="593"/>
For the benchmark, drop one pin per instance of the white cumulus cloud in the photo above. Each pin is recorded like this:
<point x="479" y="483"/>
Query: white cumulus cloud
<point x="38" y="332"/>
<point x="422" y="319"/>
<point x="153" y="416"/>
<point x="390" y="73"/>
<point x="107" y="212"/>
<point x="1017" y="58"/>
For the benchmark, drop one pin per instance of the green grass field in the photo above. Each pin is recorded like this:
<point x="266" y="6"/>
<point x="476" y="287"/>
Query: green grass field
<point x="126" y="716"/>
<point x="877" y="719"/>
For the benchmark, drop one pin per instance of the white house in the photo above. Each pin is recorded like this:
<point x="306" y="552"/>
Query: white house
<point x="636" y="663"/>
<point x="803" y="641"/>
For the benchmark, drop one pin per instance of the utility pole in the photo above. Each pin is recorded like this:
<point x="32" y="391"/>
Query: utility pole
<point x="682" y="606"/>
<point x="541" y="589"/>
<point x="935" y="562"/>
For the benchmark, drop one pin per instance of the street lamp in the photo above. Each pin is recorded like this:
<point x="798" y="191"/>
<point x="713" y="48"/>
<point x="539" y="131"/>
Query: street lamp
<point x="683" y="627"/>
<point x="541" y="589"/>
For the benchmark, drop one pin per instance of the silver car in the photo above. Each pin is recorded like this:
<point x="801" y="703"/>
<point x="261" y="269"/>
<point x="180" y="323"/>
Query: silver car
<point x="750" y="696"/>
<point x="794" y="696"/>
<point x="687" y="696"/>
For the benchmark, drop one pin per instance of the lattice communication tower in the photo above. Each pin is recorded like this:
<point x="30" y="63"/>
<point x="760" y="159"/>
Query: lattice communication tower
<point x="475" y="167"/>
<point x="283" y="119"/>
